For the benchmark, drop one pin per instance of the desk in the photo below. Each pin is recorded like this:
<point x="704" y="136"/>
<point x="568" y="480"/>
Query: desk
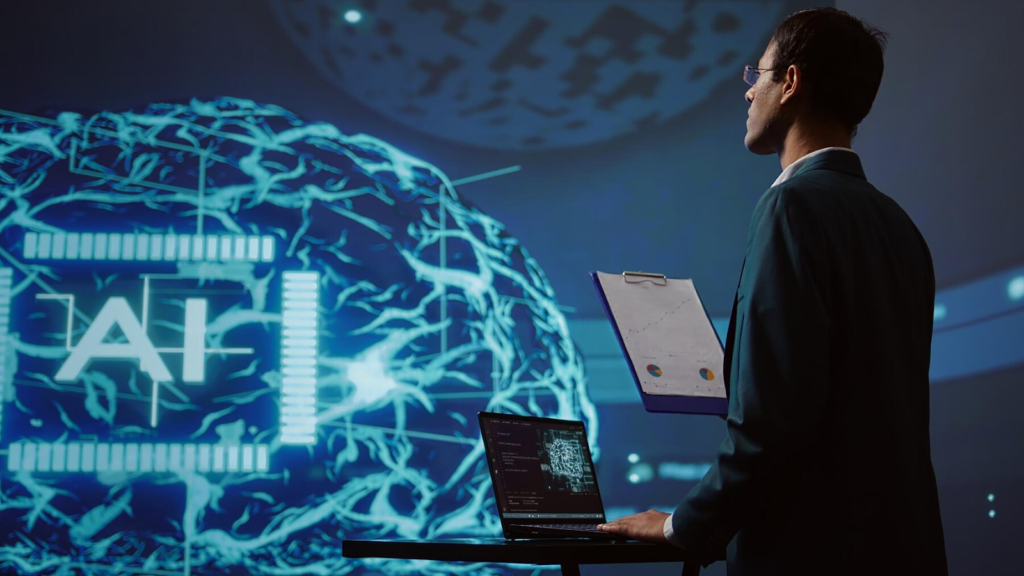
<point x="568" y="554"/>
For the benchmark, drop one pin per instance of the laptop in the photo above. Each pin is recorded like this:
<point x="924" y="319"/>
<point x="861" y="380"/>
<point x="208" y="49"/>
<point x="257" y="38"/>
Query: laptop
<point x="543" y="477"/>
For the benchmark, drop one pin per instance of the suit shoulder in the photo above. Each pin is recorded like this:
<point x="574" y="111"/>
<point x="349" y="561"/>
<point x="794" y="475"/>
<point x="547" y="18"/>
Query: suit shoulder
<point x="785" y="197"/>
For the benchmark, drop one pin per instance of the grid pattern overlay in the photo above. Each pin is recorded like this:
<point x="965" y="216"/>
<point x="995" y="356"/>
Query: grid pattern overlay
<point x="298" y="357"/>
<point x="148" y="247"/>
<point x="5" y="322"/>
<point x="132" y="457"/>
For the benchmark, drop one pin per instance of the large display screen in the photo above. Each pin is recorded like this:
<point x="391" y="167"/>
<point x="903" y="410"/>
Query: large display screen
<point x="234" y="338"/>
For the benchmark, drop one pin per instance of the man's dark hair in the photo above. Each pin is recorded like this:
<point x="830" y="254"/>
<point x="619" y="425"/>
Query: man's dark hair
<point x="841" y="60"/>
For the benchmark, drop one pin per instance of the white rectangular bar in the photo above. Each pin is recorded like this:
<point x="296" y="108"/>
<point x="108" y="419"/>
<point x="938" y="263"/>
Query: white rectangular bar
<point x="225" y="248"/>
<point x="86" y="251"/>
<point x="131" y="457"/>
<point x="203" y="463"/>
<point x="45" y="244"/>
<point x="88" y="457"/>
<point x="171" y="247"/>
<point x="161" y="459"/>
<point x="254" y="249"/>
<point x="218" y="458"/>
<point x="239" y="251"/>
<point x="211" y="247"/>
<point x="268" y="249"/>
<point x="44" y="455"/>
<point x="174" y="457"/>
<point x="156" y="247"/>
<point x="73" y="246"/>
<point x="57" y="252"/>
<point x="195" y="340"/>
<point x="189" y="456"/>
<point x="146" y="458"/>
<point x="247" y="458"/>
<point x="262" y="458"/>
<point x="28" y="457"/>
<point x="134" y="457"/>
<point x="142" y="247"/>
<point x="184" y="247"/>
<point x="102" y="457"/>
<point x="59" y="457"/>
<point x="114" y="247"/>
<point x="100" y="250"/>
<point x="31" y="246"/>
<point x="233" y="454"/>
<point x="116" y="458"/>
<point x="74" y="457"/>
<point x="14" y="456"/>
<point x="128" y="247"/>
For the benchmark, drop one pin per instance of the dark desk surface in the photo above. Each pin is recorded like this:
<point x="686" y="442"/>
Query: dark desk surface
<point x="500" y="551"/>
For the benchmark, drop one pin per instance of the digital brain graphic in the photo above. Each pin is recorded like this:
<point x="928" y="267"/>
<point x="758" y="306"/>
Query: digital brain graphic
<point x="529" y="75"/>
<point x="565" y="459"/>
<point x="232" y="338"/>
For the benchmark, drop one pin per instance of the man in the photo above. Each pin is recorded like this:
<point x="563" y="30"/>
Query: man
<point x="826" y="466"/>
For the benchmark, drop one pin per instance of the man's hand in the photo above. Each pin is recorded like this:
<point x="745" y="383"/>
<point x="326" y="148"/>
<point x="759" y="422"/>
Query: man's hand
<point x="647" y="526"/>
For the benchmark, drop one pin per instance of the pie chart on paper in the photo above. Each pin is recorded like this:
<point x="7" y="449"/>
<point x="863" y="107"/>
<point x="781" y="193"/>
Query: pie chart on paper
<point x="707" y="374"/>
<point x="654" y="370"/>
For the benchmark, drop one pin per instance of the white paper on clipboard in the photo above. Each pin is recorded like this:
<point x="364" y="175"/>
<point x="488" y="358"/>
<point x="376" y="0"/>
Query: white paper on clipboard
<point x="667" y="336"/>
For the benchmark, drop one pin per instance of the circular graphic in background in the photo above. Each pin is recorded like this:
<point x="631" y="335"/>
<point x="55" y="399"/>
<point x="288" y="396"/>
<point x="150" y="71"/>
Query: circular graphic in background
<point x="654" y="370"/>
<point x="531" y="75"/>
<point x="707" y="374"/>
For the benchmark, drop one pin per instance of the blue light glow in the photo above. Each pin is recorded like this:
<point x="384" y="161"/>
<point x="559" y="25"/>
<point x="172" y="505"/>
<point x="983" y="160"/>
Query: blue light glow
<point x="633" y="458"/>
<point x="642" y="473"/>
<point x="1015" y="289"/>
<point x="680" y="471"/>
<point x="353" y="16"/>
<point x="194" y="287"/>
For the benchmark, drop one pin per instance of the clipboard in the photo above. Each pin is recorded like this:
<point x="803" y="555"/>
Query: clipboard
<point x="662" y="402"/>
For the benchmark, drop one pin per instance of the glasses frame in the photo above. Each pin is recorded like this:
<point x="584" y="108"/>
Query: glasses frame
<point x="752" y="73"/>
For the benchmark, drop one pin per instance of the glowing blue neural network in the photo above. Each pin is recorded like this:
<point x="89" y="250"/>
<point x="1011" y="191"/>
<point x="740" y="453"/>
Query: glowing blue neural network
<point x="230" y="338"/>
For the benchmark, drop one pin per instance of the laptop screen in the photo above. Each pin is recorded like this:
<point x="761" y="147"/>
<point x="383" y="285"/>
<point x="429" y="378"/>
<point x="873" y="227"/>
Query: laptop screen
<point x="541" y="468"/>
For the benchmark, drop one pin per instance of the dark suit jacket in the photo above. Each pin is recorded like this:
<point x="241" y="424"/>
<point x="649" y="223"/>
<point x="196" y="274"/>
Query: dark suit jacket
<point x="826" y="467"/>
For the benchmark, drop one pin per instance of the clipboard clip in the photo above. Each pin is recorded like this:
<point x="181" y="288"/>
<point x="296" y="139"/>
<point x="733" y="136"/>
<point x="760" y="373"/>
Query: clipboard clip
<point x="641" y="276"/>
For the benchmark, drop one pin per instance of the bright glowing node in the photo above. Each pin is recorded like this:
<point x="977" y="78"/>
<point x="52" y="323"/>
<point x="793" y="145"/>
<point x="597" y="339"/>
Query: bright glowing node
<point x="633" y="458"/>
<point x="1015" y="289"/>
<point x="353" y="16"/>
<point x="991" y="513"/>
<point x="940" y="312"/>
<point x="991" y="497"/>
<point x="634" y="478"/>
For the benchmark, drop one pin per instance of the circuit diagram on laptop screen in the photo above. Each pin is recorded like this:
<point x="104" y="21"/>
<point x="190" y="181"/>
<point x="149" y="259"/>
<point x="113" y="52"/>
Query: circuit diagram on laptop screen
<point x="565" y="465"/>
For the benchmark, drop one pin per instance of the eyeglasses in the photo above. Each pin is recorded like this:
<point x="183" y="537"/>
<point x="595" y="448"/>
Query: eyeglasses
<point x="750" y="73"/>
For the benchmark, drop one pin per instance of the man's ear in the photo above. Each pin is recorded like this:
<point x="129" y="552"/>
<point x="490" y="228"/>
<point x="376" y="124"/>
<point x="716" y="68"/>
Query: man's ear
<point x="792" y="84"/>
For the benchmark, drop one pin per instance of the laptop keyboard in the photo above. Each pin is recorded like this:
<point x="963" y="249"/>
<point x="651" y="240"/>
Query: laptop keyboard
<point x="579" y="527"/>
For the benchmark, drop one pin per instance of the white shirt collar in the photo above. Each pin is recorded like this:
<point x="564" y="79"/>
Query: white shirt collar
<point x="792" y="168"/>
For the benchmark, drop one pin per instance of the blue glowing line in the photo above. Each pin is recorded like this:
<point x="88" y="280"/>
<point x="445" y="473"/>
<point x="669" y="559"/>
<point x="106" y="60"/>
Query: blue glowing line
<point x="410" y="366"/>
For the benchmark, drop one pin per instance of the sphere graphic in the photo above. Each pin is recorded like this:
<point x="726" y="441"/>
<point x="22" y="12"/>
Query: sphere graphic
<point x="654" y="370"/>
<point x="266" y="334"/>
<point x="531" y="75"/>
<point x="707" y="374"/>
